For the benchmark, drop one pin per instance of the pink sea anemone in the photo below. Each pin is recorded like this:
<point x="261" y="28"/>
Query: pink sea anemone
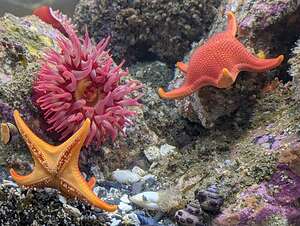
<point x="82" y="81"/>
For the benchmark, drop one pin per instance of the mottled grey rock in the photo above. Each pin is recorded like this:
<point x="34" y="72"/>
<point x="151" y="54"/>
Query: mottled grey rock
<point x="294" y="70"/>
<point x="72" y="210"/>
<point x="124" y="207"/>
<point x="161" y="116"/>
<point x="166" y="150"/>
<point x="125" y="176"/>
<point x="146" y="29"/>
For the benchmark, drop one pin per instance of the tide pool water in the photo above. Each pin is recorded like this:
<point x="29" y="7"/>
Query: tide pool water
<point x="25" y="7"/>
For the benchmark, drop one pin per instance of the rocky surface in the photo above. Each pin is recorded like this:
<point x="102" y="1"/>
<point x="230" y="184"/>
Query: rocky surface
<point x="22" y="41"/>
<point x="294" y="69"/>
<point x="147" y="29"/>
<point x="37" y="207"/>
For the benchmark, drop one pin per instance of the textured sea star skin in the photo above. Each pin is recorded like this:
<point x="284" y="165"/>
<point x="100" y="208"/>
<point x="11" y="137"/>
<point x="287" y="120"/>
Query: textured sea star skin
<point x="218" y="62"/>
<point x="57" y="166"/>
<point x="53" y="17"/>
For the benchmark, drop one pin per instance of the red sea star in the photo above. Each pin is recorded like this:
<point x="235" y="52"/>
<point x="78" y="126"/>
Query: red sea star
<point x="53" y="17"/>
<point x="218" y="62"/>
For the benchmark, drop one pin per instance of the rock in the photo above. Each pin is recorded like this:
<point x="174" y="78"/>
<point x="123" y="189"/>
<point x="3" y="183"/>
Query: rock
<point x="97" y="173"/>
<point x="164" y="200"/>
<point x="147" y="220"/>
<point x="136" y="28"/>
<point x="62" y="199"/>
<point x="159" y="115"/>
<point x="132" y="219"/>
<point x="124" y="207"/>
<point x="150" y="179"/>
<point x="148" y="200"/>
<point x="22" y="42"/>
<point x="36" y="206"/>
<point x="3" y="174"/>
<point x="166" y="150"/>
<point x="138" y="171"/>
<point x="273" y="202"/>
<point x="9" y="183"/>
<point x="115" y="222"/>
<point x="153" y="74"/>
<point x="294" y="70"/>
<point x="138" y="187"/>
<point x="125" y="176"/>
<point x="125" y="199"/>
<point x="72" y="210"/>
<point x="152" y="153"/>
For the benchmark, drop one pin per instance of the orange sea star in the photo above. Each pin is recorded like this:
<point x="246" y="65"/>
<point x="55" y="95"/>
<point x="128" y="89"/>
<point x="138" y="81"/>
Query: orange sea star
<point x="218" y="62"/>
<point x="57" y="166"/>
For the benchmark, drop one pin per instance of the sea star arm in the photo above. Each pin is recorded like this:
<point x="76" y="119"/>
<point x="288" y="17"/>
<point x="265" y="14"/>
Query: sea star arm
<point x="91" y="183"/>
<point x="38" y="177"/>
<point x="231" y="24"/>
<point x="182" y="67"/>
<point x="72" y="180"/>
<point x="76" y="185"/>
<point x="226" y="79"/>
<point x="260" y="65"/>
<point x="187" y="88"/>
<point x="71" y="148"/>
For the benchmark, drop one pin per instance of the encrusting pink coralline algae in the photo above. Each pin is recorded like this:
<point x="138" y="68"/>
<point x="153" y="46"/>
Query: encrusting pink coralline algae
<point x="82" y="81"/>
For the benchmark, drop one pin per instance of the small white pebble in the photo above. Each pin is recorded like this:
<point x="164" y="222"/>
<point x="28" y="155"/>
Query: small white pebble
<point x="72" y="210"/>
<point x="166" y="150"/>
<point x="8" y="183"/>
<point x="125" y="199"/>
<point x="125" y="207"/>
<point x="115" y="222"/>
<point x="62" y="199"/>
<point x="125" y="176"/>
<point x="149" y="176"/>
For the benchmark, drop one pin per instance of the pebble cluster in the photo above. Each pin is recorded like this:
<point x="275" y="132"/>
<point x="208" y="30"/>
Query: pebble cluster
<point x="47" y="206"/>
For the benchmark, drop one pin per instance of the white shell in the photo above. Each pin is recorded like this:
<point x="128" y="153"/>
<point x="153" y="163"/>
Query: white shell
<point x="148" y="200"/>
<point x="125" y="176"/>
